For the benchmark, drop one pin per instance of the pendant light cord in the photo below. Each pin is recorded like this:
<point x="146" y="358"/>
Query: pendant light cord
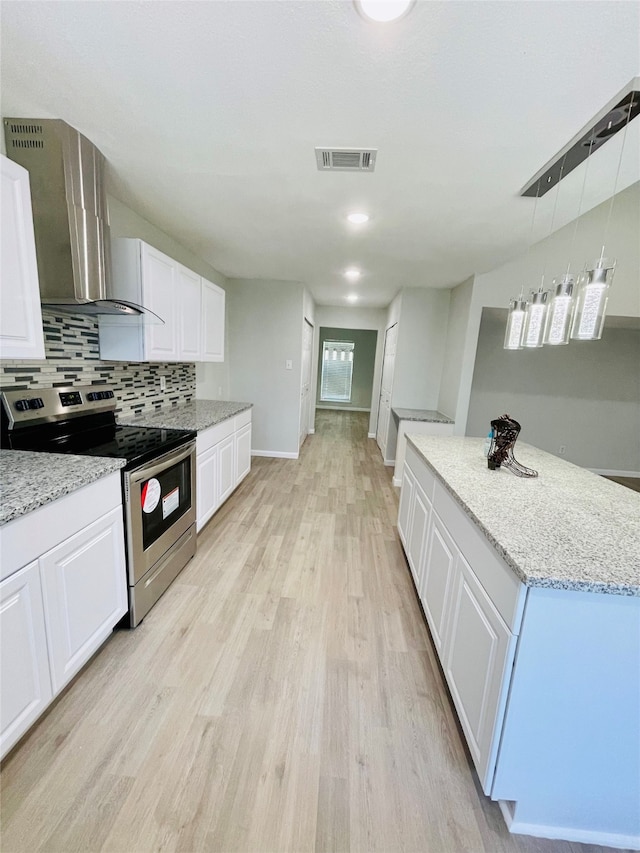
<point x="553" y="215"/>
<point x="584" y="184"/>
<point x="615" y="184"/>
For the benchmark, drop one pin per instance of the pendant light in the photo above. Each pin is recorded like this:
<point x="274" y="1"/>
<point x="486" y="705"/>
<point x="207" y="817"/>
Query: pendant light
<point x="593" y="295"/>
<point x="515" y="323"/>
<point x="535" y="318"/>
<point x="560" y="312"/>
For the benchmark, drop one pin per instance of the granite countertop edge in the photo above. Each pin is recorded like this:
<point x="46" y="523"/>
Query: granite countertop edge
<point x="529" y="579"/>
<point x="57" y="475"/>
<point x="195" y="415"/>
<point x="430" y="416"/>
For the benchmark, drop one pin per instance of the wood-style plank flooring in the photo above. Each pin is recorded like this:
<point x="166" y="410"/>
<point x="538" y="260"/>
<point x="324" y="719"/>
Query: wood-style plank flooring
<point x="282" y="696"/>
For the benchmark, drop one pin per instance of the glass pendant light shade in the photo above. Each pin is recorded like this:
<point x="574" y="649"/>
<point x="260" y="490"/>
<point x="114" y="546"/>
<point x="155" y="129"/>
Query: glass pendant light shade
<point x="534" y="320"/>
<point x="560" y="312"/>
<point x="515" y="324"/>
<point x="591" y="303"/>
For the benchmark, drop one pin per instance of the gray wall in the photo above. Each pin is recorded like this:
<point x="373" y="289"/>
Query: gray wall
<point x="264" y="321"/>
<point x="364" y="358"/>
<point x="585" y="396"/>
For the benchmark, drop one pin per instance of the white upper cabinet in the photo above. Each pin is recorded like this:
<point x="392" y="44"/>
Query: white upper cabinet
<point x="212" y="322"/>
<point x="21" y="334"/>
<point x="191" y="307"/>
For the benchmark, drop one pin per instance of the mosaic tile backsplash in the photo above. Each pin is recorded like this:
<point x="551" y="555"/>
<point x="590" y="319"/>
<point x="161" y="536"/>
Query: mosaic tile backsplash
<point x="73" y="358"/>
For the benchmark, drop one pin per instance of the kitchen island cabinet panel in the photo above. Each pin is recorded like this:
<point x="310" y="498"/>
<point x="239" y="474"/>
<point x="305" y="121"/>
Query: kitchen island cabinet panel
<point x="406" y="506"/>
<point x="478" y="655"/>
<point x="418" y="533"/>
<point x="85" y="594"/>
<point x="437" y="584"/>
<point x="26" y="685"/>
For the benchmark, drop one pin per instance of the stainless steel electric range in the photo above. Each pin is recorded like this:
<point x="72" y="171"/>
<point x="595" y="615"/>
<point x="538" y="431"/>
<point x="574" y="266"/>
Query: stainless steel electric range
<point x="158" y="481"/>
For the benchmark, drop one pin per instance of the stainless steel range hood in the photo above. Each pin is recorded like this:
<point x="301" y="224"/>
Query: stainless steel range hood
<point x="70" y="217"/>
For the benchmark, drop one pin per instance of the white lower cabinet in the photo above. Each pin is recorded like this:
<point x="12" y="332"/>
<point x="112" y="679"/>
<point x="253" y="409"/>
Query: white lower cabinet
<point x="84" y="587"/>
<point x="477" y="656"/>
<point x="58" y="609"/>
<point x="26" y="684"/>
<point x="223" y="460"/>
<point x="475" y="645"/>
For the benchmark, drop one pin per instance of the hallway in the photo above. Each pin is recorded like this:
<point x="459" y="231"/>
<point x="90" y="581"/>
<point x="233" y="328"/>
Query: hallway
<point x="282" y="695"/>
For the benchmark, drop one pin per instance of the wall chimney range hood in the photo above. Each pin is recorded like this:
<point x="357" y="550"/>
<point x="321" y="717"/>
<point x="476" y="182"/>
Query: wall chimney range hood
<point x="70" y="218"/>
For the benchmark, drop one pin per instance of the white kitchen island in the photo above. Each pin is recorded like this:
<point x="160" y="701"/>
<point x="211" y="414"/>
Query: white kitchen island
<point x="531" y="589"/>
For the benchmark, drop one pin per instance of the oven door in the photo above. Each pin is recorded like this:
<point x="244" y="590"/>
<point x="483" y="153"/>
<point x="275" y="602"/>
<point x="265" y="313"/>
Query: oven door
<point x="160" y="505"/>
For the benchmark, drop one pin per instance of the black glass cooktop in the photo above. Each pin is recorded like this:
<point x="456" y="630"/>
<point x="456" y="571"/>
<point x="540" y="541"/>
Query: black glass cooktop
<point x="135" y="444"/>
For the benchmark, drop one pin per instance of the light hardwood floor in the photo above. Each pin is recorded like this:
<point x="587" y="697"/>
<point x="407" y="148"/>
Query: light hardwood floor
<point x="282" y="696"/>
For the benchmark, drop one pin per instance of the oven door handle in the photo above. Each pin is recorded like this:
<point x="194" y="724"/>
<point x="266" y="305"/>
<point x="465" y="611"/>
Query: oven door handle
<point x="166" y="461"/>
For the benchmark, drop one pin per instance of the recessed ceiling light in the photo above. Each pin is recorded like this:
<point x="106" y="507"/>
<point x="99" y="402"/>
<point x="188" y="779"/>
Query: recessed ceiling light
<point x="358" y="218"/>
<point x="352" y="274"/>
<point x="383" y="11"/>
<point x="352" y="297"/>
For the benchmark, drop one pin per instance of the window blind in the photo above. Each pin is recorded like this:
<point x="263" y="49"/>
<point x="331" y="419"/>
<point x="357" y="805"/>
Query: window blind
<point x="337" y="371"/>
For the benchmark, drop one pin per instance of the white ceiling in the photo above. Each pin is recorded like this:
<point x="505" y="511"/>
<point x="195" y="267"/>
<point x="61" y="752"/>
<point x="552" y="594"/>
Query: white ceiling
<point x="208" y="113"/>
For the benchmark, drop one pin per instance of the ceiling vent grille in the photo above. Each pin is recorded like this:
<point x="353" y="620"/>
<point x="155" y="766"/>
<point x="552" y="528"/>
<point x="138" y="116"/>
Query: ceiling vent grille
<point x="346" y="159"/>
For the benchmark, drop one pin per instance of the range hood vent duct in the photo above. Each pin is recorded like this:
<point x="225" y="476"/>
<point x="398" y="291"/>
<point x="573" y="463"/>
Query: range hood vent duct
<point x="70" y="218"/>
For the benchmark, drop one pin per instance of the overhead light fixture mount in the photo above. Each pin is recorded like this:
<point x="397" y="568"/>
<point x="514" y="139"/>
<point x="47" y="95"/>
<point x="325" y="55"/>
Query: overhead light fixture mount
<point x="383" y="11"/>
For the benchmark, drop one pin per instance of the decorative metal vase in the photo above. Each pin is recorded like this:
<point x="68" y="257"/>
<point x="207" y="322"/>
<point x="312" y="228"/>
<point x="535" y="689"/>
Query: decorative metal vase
<point x="505" y="433"/>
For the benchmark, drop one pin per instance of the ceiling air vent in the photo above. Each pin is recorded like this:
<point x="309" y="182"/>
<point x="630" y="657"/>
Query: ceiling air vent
<point x="346" y="159"/>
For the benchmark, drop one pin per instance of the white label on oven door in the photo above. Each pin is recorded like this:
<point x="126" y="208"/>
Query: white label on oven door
<point x="170" y="502"/>
<point x="150" y="496"/>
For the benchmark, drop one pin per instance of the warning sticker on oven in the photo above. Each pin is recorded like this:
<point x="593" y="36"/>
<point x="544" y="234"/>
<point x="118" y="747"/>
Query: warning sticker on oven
<point x="150" y="495"/>
<point x="170" y="502"/>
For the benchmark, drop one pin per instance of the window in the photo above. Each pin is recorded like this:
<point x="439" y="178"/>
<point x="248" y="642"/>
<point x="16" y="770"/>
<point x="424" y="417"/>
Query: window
<point x="337" y="370"/>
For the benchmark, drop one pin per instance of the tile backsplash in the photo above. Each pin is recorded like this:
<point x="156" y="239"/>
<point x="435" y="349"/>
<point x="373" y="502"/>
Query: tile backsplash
<point x="73" y="358"/>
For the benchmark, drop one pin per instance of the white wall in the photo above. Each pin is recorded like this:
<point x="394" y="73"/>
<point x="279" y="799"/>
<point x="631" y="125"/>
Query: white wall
<point x="495" y="288"/>
<point x="212" y="380"/>
<point x="264" y="320"/>
<point x="337" y="317"/>
<point x="458" y="320"/>
<point x="420" y="349"/>
<point x="584" y="396"/>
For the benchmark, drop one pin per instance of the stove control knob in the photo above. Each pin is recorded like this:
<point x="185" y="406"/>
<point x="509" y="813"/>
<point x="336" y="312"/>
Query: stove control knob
<point x="21" y="405"/>
<point x="36" y="403"/>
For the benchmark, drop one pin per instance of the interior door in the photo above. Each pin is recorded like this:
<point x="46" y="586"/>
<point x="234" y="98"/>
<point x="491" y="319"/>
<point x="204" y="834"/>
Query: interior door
<point x="386" y="385"/>
<point x="305" y="390"/>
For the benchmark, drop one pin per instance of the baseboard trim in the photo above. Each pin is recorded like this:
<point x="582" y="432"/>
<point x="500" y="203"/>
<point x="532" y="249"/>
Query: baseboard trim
<point x="390" y="463"/>
<point x="606" y="472"/>
<point x="371" y="435"/>
<point x="275" y="454"/>
<point x="565" y="833"/>
<point x="397" y="482"/>
<point x="311" y="432"/>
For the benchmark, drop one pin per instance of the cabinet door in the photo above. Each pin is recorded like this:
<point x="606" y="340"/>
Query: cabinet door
<point x="189" y="307"/>
<point x="213" y="301"/>
<point x="418" y="529"/>
<point x="406" y="505"/>
<point x="26" y="686"/>
<point x="159" y="289"/>
<point x="478" y="657"/>
<point x="437" y="581"/>
<point x="85" y="594"/>
<point x="206" y="485"/>
<point x="21" y="334"/>
<point x="226" y="462"/>
<point x="243" y="452"/>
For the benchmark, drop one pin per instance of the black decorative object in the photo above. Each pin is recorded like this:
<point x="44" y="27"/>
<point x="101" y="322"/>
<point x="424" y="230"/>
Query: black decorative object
<point x="505" y="433"/>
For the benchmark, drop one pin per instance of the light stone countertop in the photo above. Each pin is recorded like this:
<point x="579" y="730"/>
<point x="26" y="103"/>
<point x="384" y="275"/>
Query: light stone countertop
<point x="195" y="415"/>
<point x="29" y="480"/>
<point x="567" y="528"/>
<point x="425" y="415"/>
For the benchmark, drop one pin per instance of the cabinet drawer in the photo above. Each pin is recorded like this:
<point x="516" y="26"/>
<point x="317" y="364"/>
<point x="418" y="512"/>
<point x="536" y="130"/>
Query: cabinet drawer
<point x="243" y="419"/>
<point x="500" y="582"/>
<point x="421" y="471"/>
<point x="214" y="435"/>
